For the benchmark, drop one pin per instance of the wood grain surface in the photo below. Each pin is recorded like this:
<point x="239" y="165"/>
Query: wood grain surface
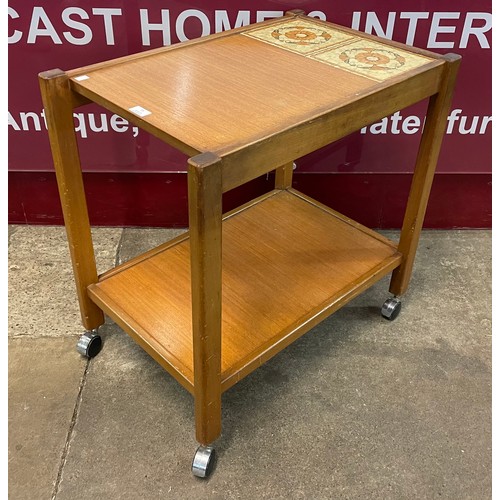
<point x="285" y="261"/>
<point x="225" y="92"/>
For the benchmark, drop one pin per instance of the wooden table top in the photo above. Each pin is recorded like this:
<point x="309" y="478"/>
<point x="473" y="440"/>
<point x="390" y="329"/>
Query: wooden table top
<point x="224" y="91"/>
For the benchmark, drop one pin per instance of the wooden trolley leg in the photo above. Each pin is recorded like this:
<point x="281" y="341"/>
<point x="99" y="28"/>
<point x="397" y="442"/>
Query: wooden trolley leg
<point x="57" y="100"/>
<point x="205" y="229"/>
<point x="427" y="157"/>
<point x="284" y="174"/>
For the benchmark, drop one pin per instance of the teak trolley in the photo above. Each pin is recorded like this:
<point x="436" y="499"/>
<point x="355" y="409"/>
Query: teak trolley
<point x="215" y="303"/>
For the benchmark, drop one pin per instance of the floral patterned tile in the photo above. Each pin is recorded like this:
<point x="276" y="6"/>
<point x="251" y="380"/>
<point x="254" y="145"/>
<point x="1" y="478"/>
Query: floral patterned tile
<point x="300" y="36"/>
<point x="372" y="59"/>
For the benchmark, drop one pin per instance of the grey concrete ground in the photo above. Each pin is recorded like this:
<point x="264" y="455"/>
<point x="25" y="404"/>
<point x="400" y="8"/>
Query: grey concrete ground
<point x="358" y="408"/>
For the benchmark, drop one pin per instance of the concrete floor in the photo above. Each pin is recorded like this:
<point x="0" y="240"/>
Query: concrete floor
<point x="358" y="408"/>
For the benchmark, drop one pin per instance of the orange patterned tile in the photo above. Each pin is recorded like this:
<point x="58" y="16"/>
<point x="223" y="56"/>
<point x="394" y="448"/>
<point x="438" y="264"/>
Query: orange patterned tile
<point x="300" y="36"/>
<point x="372" y="59"/>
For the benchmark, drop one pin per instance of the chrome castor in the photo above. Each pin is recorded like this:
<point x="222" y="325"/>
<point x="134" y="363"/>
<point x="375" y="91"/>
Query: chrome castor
<point x="89" y="344"/>
<point x="391" y="309"/>
<point x="203" y="461"/>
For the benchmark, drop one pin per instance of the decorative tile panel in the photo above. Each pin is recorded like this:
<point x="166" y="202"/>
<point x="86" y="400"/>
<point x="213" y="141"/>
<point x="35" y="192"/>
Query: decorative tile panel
<point x="374" y="60"/>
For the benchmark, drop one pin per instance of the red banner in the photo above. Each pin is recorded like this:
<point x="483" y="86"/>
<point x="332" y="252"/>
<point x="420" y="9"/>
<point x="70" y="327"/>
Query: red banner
<point x="45" y="35"/>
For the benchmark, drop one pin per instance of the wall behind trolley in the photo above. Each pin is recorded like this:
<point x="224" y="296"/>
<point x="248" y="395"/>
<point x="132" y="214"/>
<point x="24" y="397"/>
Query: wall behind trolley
<point x="133" y="179"/>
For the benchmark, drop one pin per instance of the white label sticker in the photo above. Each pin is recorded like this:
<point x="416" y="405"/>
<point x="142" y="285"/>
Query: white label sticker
<point x="139" y="111"/>
<point x="81" y="78"/>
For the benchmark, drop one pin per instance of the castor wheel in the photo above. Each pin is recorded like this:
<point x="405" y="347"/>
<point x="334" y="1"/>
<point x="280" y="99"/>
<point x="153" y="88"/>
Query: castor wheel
<point x="89" y="344"/>
<point x="391" y="309"/>
<point x="203" y="461"/>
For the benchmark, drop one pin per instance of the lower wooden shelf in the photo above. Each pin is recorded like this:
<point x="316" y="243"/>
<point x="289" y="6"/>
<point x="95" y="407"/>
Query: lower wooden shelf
<point x="288" y="262"/>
